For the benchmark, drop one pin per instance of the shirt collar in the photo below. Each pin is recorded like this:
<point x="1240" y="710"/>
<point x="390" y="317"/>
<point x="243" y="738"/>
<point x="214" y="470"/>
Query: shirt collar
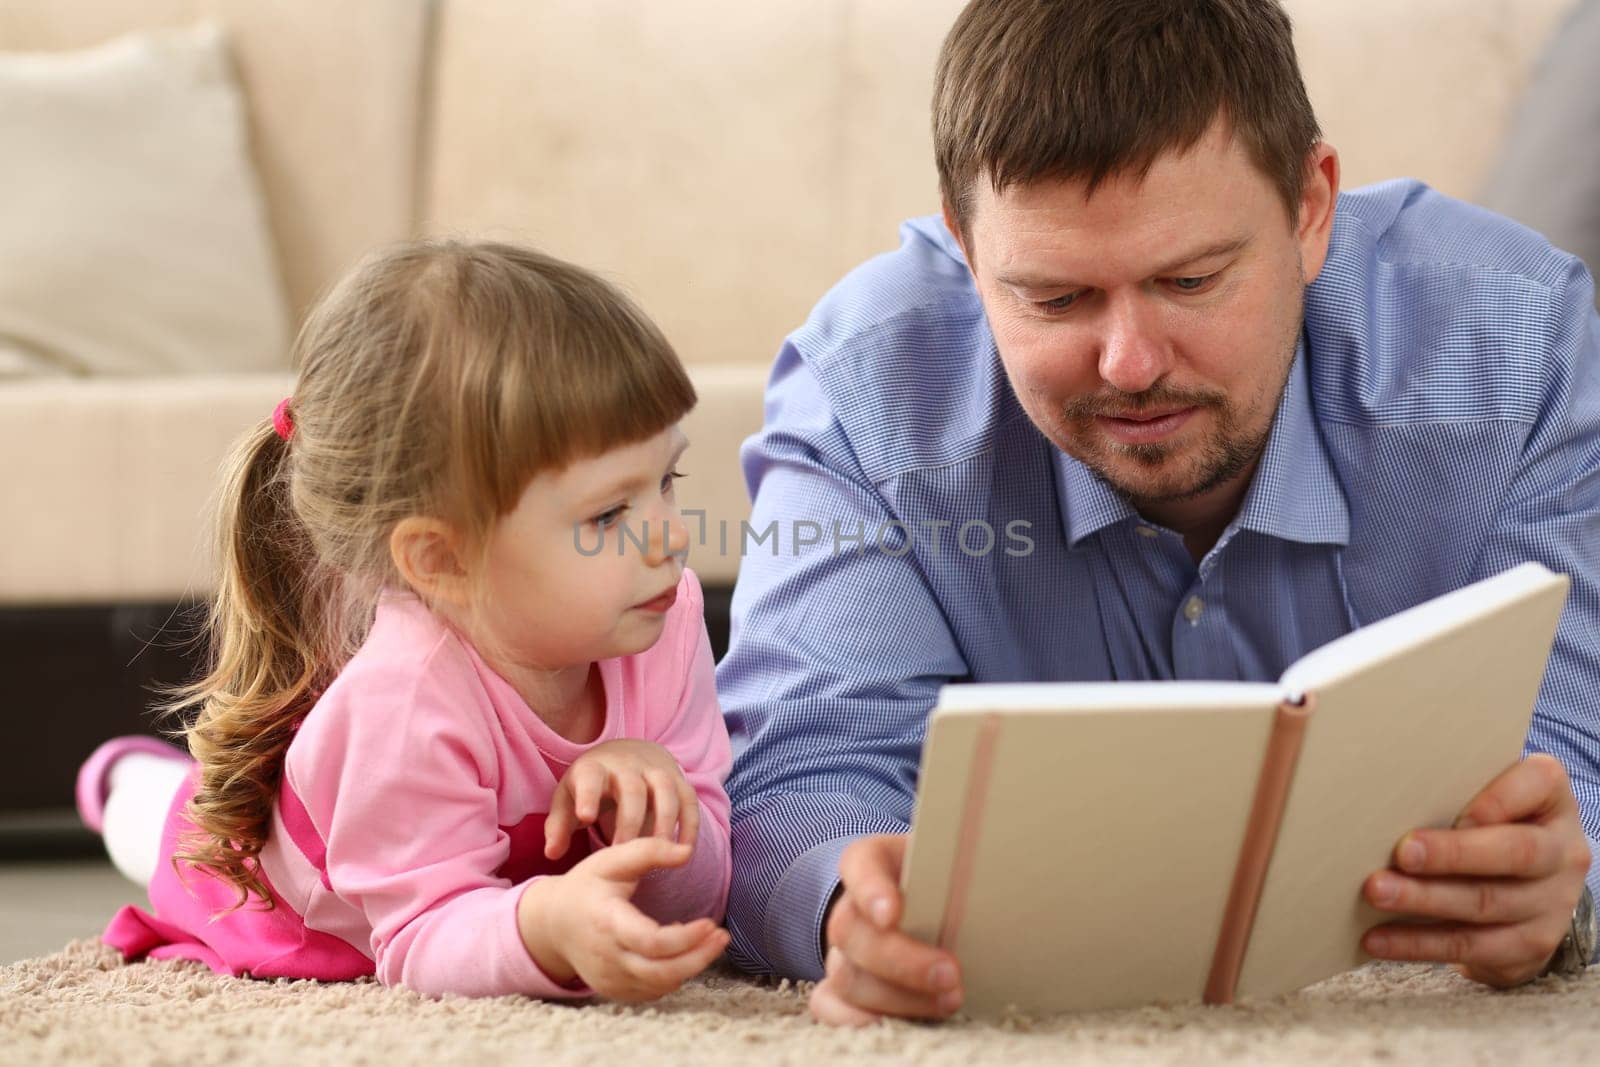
<point x="1294" y="496"/>
<point x="1088" y="505"/>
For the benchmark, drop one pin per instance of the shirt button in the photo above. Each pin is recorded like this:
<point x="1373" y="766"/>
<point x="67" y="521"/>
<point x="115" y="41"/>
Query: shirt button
<point x="1146" y="531"/>
<point x="1193" y="608"/>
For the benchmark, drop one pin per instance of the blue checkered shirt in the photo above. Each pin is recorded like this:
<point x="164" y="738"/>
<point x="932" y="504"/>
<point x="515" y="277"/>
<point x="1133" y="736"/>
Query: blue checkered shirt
<point x="1441" y="423"/>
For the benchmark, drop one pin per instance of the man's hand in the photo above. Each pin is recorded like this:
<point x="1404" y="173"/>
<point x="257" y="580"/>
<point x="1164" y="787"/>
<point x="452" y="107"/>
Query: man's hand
<point x="581" y="924"/>
<point x="630" y="788"/>
<point x="873" y="969"/>
<point x="1502" y="884"/>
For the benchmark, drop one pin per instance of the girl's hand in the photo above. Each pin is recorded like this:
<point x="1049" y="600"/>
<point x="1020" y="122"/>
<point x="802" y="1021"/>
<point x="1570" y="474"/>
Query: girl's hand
<point x="581" y="925"/>
<point x="630" y="788"/>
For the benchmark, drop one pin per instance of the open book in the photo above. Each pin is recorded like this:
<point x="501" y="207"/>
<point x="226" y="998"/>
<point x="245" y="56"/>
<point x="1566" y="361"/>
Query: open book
<point x="1107" y="844"/>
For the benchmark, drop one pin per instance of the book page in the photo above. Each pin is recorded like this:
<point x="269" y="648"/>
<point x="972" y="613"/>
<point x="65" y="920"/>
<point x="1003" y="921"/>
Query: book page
<point x="1439" y="708"/>
<point x="1067" y="698"/>
<point x="1391" y="637"/>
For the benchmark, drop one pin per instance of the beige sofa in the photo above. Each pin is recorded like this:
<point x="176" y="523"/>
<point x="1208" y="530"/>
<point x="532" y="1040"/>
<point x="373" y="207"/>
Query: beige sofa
<point x="725" y="163"/>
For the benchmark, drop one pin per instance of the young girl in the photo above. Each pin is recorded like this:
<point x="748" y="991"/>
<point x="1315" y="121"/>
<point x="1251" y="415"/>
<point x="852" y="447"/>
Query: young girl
<point x="460" y="729"/>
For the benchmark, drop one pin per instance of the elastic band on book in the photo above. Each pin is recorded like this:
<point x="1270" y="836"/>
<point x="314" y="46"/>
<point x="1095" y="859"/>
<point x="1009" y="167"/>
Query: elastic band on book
<point x="955" y="907"/>
<point x="1261" y="837"/>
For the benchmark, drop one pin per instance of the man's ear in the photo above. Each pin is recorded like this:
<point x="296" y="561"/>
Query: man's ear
<point x="429" y="555"/>
<point x="1318" y="197"/>
<point x="954" y="226"/>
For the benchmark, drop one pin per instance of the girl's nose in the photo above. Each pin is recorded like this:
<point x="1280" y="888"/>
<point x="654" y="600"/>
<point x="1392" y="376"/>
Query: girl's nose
<point x="667" y="537"/>
<point x="677" y="536"/>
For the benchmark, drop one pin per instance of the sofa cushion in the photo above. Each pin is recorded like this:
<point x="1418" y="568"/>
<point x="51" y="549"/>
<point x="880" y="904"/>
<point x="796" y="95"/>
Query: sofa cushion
<point x="1421" y="89"/>
<point x="1548" y="172"/>
<point x="726" y="163"/>
<point x="134" y="237"/>
<point x="114" y="501"/>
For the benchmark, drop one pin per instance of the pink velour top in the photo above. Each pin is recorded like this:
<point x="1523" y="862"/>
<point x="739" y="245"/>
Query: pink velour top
<point x="411" y="816"/>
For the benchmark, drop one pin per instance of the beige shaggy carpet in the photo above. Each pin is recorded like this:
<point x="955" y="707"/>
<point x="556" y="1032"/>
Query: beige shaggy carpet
<point x="83" y="1005"/>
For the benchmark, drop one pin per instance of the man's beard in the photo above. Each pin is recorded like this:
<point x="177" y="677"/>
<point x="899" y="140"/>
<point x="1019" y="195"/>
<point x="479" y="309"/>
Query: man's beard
<point x="1228" y="450"/>
<point x="1220" y="459"/>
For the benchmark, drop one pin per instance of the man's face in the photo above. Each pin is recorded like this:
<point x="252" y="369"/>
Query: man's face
<point x="1148" y="329"/>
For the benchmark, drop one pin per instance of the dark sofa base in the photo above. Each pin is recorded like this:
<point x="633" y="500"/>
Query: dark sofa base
<point x="82" y="674"/>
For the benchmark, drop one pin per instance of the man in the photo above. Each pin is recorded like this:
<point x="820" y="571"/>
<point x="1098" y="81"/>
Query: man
<point x="1194" y="415"/>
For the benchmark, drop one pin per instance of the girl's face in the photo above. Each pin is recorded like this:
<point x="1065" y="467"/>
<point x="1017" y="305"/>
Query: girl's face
<point x="586" y="565"/>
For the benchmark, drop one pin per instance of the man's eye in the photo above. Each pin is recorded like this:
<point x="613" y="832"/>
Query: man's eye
<point x="1057" y="304"/>
<point x="607" y="519"/>
<point x="1192" y="285"/>
<point x="666" y="482"/>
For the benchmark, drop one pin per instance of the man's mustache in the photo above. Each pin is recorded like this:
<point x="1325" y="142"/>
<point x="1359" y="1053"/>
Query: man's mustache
<point x="1160" y="398"/>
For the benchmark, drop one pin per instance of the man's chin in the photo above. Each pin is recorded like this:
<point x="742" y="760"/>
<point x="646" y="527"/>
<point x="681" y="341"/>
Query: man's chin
<point x="1154" y="475"/>
<point x="1142" y="485"/>
<point x="1139" y="473"/>
<point x="1158" y="474"/>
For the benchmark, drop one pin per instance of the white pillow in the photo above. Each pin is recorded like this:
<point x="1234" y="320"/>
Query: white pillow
<point x="133" y="236"/>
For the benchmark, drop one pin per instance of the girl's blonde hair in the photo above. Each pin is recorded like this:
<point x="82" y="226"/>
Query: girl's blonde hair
<point x="436" y="379"/>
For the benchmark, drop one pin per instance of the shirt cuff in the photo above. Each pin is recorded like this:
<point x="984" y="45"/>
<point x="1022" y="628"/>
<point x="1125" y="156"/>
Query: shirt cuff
<point x="795" y="911"/>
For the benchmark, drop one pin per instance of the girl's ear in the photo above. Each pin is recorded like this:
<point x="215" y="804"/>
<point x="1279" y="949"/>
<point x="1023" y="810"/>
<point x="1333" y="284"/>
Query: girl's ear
<point x="428" y="554"/>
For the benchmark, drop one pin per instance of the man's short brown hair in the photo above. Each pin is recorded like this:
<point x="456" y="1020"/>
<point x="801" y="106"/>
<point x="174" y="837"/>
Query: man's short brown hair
<point x="1081" y="90"/>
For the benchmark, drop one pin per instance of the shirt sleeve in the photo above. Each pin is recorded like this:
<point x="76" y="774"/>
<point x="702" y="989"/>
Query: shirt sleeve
<point x="693" y="731"/>
<point x="402" y="784"/>
<point x="838" y="651"/>
<point x="1552" y="514"/>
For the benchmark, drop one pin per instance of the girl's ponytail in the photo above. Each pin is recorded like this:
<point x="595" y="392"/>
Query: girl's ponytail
<point x="270" y="657"/>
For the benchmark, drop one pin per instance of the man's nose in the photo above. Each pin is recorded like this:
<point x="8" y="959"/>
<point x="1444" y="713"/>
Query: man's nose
<point x="1134" y="353"/>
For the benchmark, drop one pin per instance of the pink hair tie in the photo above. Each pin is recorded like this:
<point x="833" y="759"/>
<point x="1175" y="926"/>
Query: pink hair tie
<point x="280" y="419"/>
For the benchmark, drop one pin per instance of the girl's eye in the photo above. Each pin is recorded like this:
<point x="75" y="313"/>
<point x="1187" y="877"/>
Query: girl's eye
<point x="606" y="520"/>
<point x="666" y="482"/>
<point x="1192" y="285"/>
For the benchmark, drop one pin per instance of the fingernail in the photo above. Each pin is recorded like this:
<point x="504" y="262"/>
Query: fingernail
<point x="881" y="911"/>
<point x="1385" y="890"/>
<point x="942" y="976"/>
<point x="1412" y="853"/>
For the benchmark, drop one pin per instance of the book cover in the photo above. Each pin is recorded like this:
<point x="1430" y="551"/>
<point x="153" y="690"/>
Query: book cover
<point x="1095" y="845"/>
